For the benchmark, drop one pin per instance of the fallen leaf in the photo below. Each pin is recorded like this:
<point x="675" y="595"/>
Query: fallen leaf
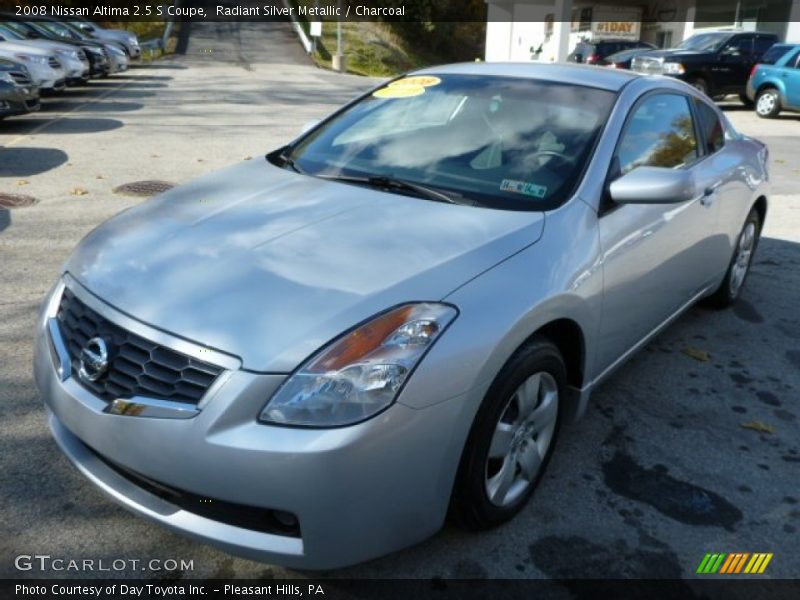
<point x="154" y="156"/>
<point x="248" y="157"/>
<point x="23" y="182"/>
<point x="759" y="426"/>
<point x="99" y="177"/>
<point x="780" y="161"/>
<point x="199" y="160"/>
<point x="79" y="191"/>
<point x="697" y="354"/>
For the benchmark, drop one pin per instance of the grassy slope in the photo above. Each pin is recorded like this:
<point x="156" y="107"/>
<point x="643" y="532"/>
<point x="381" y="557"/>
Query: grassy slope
<point x="370" y="47"/>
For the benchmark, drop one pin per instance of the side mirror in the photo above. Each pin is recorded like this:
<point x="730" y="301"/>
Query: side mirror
<point x="309" y="126"/>
<point x="85" y="27"/>
<point x="653" y="185"/>
<point x="731" y="51"/>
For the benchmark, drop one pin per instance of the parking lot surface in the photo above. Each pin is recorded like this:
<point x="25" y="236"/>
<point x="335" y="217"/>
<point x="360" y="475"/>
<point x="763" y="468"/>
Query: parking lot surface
<point x="668" y="463"/>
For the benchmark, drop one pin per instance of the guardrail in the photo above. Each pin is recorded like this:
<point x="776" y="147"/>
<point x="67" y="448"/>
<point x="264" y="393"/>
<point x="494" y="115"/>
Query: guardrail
<point x="298" y="29"/>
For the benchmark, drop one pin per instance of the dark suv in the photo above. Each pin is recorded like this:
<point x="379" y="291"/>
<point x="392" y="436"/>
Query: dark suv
<point x="717" y="63"/>
<point x="595" y="53"/>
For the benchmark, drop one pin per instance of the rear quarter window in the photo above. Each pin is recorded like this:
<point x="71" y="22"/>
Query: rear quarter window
<point x="711" y="126"/>
<point x="774" y="54"/>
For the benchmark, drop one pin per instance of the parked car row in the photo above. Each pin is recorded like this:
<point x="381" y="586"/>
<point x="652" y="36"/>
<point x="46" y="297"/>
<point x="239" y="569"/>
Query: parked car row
<point x="750" y="64"/>
<point x="44" y="55"/>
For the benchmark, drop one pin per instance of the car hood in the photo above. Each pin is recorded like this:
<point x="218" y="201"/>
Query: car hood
<point x="269" y="265"/>
<point x="113" y="34"/>
<point x="6" y="48"/>
<point x="672" y="53"/>
<point x="46" y="45"/>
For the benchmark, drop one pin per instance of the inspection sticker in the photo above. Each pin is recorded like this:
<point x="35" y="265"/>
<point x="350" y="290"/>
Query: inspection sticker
<point x="523" y="187"/>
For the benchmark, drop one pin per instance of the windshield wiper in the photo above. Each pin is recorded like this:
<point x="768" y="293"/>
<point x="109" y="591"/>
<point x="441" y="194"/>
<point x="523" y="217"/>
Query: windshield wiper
<point x="390" y="183"/>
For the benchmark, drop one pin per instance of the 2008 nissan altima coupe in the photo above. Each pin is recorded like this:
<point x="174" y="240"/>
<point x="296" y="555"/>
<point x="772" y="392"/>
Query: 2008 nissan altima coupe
<point x="310" y="359"/>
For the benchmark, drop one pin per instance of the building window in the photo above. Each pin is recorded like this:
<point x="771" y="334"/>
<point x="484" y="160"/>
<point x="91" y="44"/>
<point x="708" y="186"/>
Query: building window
<point x="664" y="39"/>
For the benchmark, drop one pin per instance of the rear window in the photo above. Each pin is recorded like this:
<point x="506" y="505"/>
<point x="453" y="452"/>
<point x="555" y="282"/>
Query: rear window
<point x="775" y="53"/>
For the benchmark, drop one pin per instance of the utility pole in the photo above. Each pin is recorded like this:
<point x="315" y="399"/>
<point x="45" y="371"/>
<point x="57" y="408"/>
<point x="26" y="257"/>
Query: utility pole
<point x="339" y="62"/>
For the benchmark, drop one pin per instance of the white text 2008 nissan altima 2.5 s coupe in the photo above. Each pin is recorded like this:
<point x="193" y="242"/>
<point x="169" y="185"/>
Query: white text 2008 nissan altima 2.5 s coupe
<point x="310" y="359"/>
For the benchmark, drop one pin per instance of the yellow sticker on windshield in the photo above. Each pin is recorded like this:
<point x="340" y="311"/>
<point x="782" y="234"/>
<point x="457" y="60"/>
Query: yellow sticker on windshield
<point x="423" y="80"/>
<point x="399" y="91"/>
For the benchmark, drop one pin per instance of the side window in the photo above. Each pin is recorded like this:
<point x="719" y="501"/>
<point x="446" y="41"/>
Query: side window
<point x="711" y="126"/>
<point x="762" y="44"/>
<point x="660" y="133"/>
<point x="744" y="45"/>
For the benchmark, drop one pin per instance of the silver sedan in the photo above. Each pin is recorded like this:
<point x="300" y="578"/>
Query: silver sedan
<point x="311" y="358"/>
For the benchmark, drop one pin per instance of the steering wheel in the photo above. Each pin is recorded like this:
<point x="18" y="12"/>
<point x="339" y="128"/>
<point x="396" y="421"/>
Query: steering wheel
<point x="553" y="154"/>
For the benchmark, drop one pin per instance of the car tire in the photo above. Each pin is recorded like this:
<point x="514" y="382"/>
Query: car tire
<point x="768" y="103"/>
<point x="512" y="437"/>
<point x="739" y="267"/>
<point x="700" y="84"/>
<point x="746" y="101"/>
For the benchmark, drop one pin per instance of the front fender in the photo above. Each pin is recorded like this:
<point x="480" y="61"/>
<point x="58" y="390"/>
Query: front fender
<point x="559" y="277"/>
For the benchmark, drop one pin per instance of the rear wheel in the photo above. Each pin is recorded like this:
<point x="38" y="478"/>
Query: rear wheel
<point x="739" y="267"/>
<point x="699" y="84"/>
<point x="768" y="103"/>
<point x="512" y="437"/>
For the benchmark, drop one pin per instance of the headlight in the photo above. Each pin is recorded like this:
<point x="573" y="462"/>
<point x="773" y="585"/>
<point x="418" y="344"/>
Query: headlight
<point x="67" y="54"/>
<point x="361" y="373"/>
<point x="115" y="50"/>
<point x="93" y="50"/>
<point x="4" y="76"/>
<point x="42" y="60"/>
<point x="672" y="68"/>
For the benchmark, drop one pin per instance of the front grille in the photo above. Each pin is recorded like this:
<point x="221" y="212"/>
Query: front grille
<point x="53" y="63"/>
<point x="20" y="78"/>
<point x="136" y="366"/>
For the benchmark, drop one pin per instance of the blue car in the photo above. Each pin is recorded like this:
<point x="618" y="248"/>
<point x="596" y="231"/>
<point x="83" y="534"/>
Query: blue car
<point x="774" y="84"/>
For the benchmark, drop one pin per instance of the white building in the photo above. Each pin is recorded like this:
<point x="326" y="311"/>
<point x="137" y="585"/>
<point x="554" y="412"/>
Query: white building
<point x="517" y="29"/>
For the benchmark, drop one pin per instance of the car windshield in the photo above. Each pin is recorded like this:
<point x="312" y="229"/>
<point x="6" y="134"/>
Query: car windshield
<point x="59" y="30"/>
<point x="21" y="30"/>
<point x="503" y="142"/>
<point x="775" y="53"/>
<point x="9" y="34"/>
<point x="705" y="42"/>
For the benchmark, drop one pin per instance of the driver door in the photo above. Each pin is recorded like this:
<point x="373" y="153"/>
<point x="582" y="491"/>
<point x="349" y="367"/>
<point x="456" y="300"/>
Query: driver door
<point x="655" y="256"/>
<point x="735" y="62"/>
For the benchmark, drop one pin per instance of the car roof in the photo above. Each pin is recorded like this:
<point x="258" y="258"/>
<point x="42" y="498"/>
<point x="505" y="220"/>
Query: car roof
<point x="568" y="73"/>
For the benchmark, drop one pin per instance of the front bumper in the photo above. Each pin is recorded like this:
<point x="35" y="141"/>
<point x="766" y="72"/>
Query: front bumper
<point x="357" y="492"/>
<point x="18" y="100"/>
<point x="47" y="77"/>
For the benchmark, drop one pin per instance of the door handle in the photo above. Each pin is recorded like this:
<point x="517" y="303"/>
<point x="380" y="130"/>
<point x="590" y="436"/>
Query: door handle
<point x="709" y="193"/>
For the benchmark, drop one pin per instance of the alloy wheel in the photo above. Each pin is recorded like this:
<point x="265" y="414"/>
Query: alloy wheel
<point x="741" y="261"/>
<point x="521" y="439"/>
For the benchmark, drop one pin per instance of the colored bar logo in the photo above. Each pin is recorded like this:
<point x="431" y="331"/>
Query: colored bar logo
<point x="734" y="563"/>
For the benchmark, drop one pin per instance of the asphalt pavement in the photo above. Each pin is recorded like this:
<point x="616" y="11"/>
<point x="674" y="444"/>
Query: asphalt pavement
<point x="665" y="466"/>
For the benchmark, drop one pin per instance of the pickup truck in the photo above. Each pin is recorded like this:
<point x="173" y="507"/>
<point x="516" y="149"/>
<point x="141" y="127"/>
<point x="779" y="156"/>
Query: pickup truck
<point x="717" y="63"/>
